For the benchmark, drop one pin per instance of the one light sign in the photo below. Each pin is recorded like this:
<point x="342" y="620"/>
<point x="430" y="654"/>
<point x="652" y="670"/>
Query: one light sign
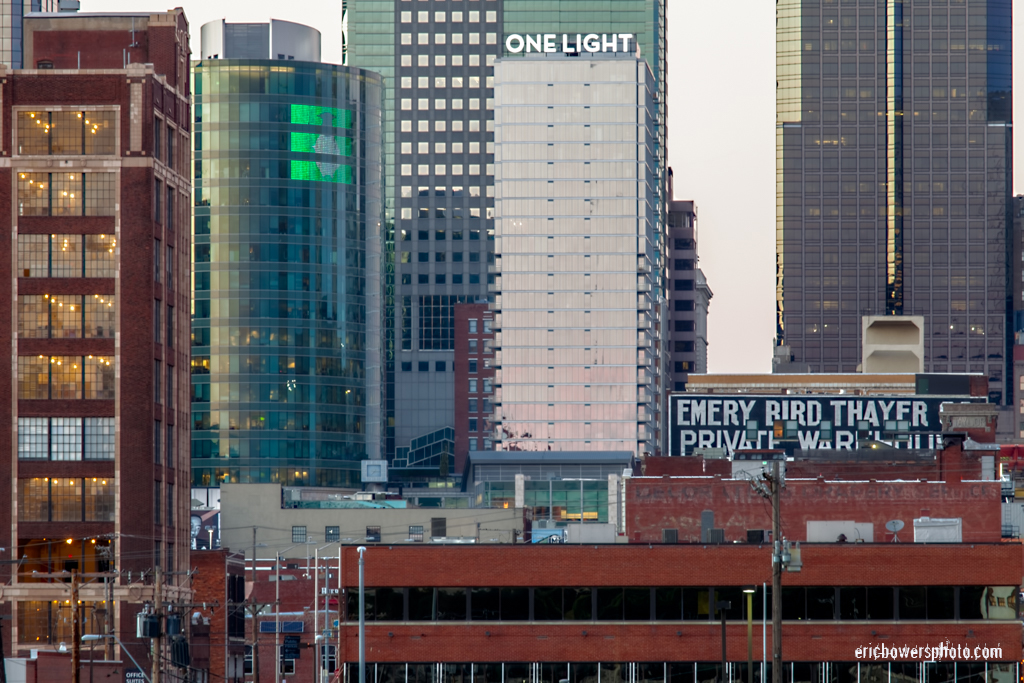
<point x="570" y="43"/>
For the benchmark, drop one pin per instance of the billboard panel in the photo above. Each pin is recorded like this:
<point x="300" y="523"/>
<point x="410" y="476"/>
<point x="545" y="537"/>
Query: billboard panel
<point x="726" y="421"/>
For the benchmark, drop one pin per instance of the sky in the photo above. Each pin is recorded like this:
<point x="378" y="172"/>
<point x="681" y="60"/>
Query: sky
<point x="721" y="144"/>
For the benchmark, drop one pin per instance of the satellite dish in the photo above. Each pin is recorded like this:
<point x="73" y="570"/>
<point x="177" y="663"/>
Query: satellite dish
<point x="894" y="525"/>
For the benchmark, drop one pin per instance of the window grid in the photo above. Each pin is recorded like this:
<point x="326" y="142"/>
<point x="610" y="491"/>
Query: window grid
<point x="65" y="438"/>
<point x="33" y="438"/>
<point x="298" y="534"/>
<point x="67" y="133"/>
<point x="66" y="194"/>
<point x="99" y="438"/>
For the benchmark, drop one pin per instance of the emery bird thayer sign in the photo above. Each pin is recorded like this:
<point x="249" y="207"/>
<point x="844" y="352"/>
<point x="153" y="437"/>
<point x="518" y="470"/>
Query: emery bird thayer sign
<point x="743" y="421"/>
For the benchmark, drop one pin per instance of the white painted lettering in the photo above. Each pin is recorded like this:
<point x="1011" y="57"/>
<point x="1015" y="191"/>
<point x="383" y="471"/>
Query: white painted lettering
<point x="682" y="406"/>
<point x="845" y="440"/>
<point x="837" y="407"/>
<point x="808" y="440"/>
<point x="870" y="414"/>
<point x="920" y="414"/>
<point x="886" y="408"/>
<point x="772" y="412"/>
<point x="855" y="413"/>
<point x="813" y="413"/>
<point x="714" y="407"/>
<point x="730" y="410"/>
<point x="902" y="408"/>
<point x="699" y="412"/>
<point x="796" y="412"/>
<point x="706" y="438"/>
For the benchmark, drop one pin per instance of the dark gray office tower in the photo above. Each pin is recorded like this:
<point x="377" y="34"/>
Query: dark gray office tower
<point x="894" y="166"/>
<point x="688" y="296"/>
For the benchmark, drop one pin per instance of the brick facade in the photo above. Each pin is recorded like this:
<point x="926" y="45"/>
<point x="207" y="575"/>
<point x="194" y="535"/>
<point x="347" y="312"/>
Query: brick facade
<point x="152" y="90"/>
<point x="670" y="565"/>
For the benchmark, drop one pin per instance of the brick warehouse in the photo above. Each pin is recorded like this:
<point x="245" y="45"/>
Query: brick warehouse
<point x="626" y="613"/>
<point x="822" y="488"/>
<point x="95" y="176"/>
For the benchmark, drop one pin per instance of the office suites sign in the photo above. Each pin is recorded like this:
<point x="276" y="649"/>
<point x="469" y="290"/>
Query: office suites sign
<point x="570" y="43"/>
<point x="723" y="420"/>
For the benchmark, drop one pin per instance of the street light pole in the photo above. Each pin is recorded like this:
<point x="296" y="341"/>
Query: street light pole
<point x="362" y="619"/>
<point x="749" y="590"/>
<point x="277" y="620"/>
<point x="721" y="606"/>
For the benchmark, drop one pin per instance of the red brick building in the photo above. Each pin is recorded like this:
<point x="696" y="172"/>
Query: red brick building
<point x="821" y="493"/>
<point x="474" y="375"/>
<point x="96" y="185"/>
<point x="623" y="613"/>
<point x="219" y="590"/>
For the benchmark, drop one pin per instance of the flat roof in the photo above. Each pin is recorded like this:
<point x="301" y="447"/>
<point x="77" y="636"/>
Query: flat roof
<point x="549" y="457"/>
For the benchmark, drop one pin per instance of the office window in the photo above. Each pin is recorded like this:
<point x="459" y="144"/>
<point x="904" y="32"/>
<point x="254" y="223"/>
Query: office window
<point x="170" y="387"/>
<point x="424" y="366"/>
<point x="157" y="306"/>
<point x="33" y="255"/>
<point x="169" y="269"/>
<point x="65" y="500"/>
<point x="67" y="133"/>
<point x="157" y="376"/>
<point x="170" y="148"/>
<point x="440" y="366"/>
<point x="100" y="256"/>
<point x="33" y="438"/>
<point x="99" y="438"/>
<point x="33" y="316"/>
<point x="157" y="440"/>
<point x="65" y="377"/>
<point x="66" y="438"/>
<point x="100" y="313"/>
<point x="157" y="254"/>
<point x="472" y="326"/>
<point x="298" y="534"/>
<point x="169" y="324"/>
<point x="99" y="377"/>
<point x="473" y="424"/>
<point x="65" y="256"/>
<point x="157" y="507"/>
<point x="373" y="534"/>
<point x="472" y="365"/>
<point x="406" y="366"/>
<point x="416" y="533"/>
<point x="332" y="534"/>
<point x="170" y="514"/>
<point x="472" y="386"/>
<point x="158" y="129"/>
<point x="170" y="445"/>
<point x="66" y="194"/>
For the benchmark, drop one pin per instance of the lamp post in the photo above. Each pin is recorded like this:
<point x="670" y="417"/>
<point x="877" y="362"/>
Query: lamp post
<point x="721" y="606"/>
<point x="749" y="590"/>
<point x="91" y="639"/>
<point x="362" y="619"/>
<point x="316" y="607"/>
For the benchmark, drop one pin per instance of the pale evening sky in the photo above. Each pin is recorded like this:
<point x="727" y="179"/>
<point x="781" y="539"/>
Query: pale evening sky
<point x="721" y="143"/>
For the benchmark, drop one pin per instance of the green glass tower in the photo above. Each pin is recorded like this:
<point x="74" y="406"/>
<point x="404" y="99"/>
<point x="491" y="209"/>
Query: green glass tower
<point x="285" y="329"/>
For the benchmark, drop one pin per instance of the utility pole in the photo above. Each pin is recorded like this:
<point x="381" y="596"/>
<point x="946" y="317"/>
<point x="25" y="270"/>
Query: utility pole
<point x="776" y="486"/>
<point x="255" y="629"/>
<point x="76" y="629"/>
<point x="158" y="599"/>
<point x="108" y="626"/>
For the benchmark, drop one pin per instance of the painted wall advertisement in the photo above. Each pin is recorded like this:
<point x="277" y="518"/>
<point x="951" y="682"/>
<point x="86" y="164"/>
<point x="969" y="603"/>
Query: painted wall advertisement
<point x="734" y="422"/>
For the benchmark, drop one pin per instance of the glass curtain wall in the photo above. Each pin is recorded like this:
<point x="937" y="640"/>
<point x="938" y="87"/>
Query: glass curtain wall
<point x="286" y="321"/>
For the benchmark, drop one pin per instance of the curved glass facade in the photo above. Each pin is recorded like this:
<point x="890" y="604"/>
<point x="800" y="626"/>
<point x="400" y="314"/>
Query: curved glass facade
<point x="286" y="313"/>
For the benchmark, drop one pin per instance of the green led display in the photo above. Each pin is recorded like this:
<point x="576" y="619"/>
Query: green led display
<point x="312" y="170"/>
<point x="308" y="115"/>
<point x="327" y="145"/>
